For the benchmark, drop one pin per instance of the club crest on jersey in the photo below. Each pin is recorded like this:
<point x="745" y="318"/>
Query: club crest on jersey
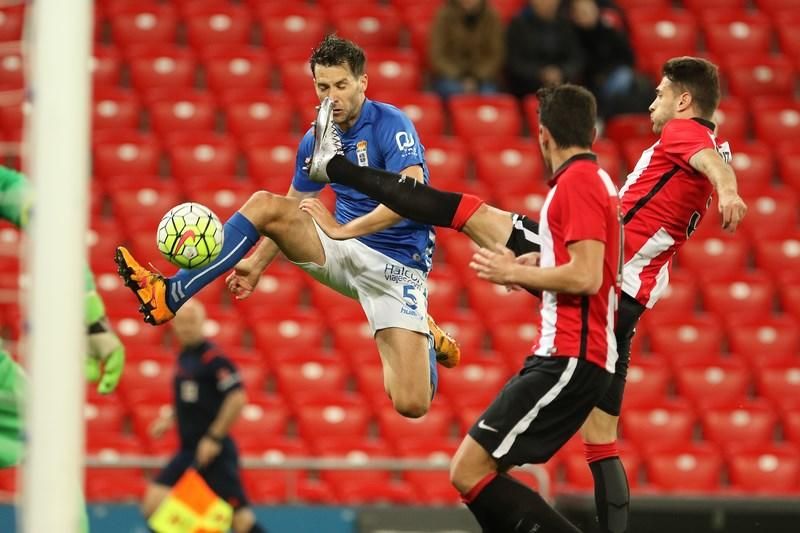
<point x="189" y="391"/>
<point x="361" y="154"/>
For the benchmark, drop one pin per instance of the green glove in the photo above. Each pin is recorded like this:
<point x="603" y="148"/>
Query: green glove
<point x="106" y="359"/>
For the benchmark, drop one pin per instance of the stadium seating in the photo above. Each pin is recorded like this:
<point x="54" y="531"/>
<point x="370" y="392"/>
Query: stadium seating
<point x="144" y="24"/>
<point x="231" y="67"/>
<point x="736" y="31"/>
<point x="218" y="24"/>
<point x="769" y="469"/>
<point x="696" y="468"/>
<point x="485" y="116"/>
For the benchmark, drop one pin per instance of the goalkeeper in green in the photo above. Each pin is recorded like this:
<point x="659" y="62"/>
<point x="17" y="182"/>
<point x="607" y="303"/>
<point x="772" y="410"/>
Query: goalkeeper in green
<point x="106" y="358"/>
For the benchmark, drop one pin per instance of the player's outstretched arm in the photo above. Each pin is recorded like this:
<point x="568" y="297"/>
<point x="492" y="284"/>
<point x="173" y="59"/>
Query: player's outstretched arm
<point x="583" y="274"/>
<point x="721" y="175"/>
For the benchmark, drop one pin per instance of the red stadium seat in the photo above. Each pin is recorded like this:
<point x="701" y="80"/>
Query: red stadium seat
<point x="360" y="491"/>
<point x="263" y="415"/>
<point x="778" y="255"/>
<point x="424" y="109"/>
<point x="464" y="326"/>
<point x="444" y="289"/>
<point x="609" y="159"/>
<point x="125" y="152"/>
<point x="435" y="424"/>
<point x="667" y="427"/>
<point x="484" y="116"/>
<point x="288" y="25"/>
<point x="765" y="470"/>
<point x="515" y="163"/>
<point x="155" y="66"/>
<point x="700" y="6"/>
<point x="275" y="290"/>
<point x="647" y="383"/>
<point x="297" y="331"/>
<point x="255" y="110"/>
<point x="144" y="205"/>
<point x="115" y="109"/>
<point x="319" y="374"/>
<point x="710" y="259"/>
<point x="183" y="110"/>
<point x="114" y="484"/>
<point x="201" y="154"/>
<point x="695" y="468"/>
<point x="338" y="416"/>
<point x="352" y="334"/>
<point x="751" y="75"/>
<point x="11" y="20"/>
<point x="296" y="78"/>
<point x="134" y="330"/>
<point x="790" y="420"/>
<point x="749" y="296"/>
<point x="692" y="334"/>
<point x="622" y="127"/>
<point x="754" y="164"/>
<point x="765" y="335"/>
<point x="748" y="424"/>
<point x="473" y="385"/>
<point x="392" y="69"/>
<point x="104" y="418"/>
<point x="231" y="67"/>
<point x="514" y="339"/>
<point x="790" y="298"/>
<point x="268" y="487"/>
<point x="106" y="66"/>
<point x="11" y="68"/>
<point x="736" y="31"/>
<point x="664" y="30"/>
<point x="714" y="386"/>
<point x="732" y="120"/>
<point x="786" y="22"/>
<point x="368" y="25"/>
<point x="355" y="449"/>
<point x="446" y="157"/>
<point x="496" y="304"/>
<point x="271" y="159"/>
<point x="218" y="24"/>
<point x="224" y="201"/>
<point x="772" y="213"/>
<point x="777" y="7"/>
<point x="780" y="385"/>
<point x="779" y="123"/>
<point x="144" y="24"/>
<point x="369" y="379"/>
<point x="147" y="381"/>
<point x="525" y="204"/>
<point x="788" y="156"/>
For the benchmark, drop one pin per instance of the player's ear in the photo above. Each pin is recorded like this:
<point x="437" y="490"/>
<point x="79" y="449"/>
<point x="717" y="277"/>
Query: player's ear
<point x="685" y="101"/>
<point x="594" y="134"/>
<point x="363" y="81"/>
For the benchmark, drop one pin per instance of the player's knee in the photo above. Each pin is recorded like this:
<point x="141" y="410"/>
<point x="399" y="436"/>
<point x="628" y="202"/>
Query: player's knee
<point x="460" y="475"/>
<point x="262" y="208"/>
<point x="411" y="407"/>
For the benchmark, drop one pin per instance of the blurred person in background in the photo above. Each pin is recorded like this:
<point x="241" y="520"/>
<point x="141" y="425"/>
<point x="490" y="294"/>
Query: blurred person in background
<point x="542" y="49"/>
<point x="209" y="397"/>
<point x="466" y="48"/>
<point x="610" y="60"/>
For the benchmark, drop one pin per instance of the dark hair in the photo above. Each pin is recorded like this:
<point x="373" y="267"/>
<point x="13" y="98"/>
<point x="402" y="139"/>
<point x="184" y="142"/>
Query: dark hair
<point x="698" y="77"/>
<point x="570" y="113"/>
<point x="334" y="51"/>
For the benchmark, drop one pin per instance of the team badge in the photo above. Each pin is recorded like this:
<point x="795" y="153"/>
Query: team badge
<point x="361" y="154"/>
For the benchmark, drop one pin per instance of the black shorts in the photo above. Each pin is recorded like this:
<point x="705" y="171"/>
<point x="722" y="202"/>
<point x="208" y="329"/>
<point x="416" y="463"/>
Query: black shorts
<point x="222" y="474"/>
<point x="540" y="409"/>
<point x="525" y="239"/>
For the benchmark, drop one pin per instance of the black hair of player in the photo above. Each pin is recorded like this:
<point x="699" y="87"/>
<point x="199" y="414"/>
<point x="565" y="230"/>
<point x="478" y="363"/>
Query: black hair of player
<point x="569" y="112"/>
<point x="334" y="51"/>
<point x="697" y="76"/>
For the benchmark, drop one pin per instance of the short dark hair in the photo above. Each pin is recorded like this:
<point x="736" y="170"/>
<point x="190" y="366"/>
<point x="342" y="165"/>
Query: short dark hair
<point x="570" y="113"/>
<point x="334" y="51"/>
<point x="697" y="76"/>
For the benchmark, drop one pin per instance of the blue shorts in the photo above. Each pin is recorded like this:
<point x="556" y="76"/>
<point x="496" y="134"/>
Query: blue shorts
<point x="222" y="474"/>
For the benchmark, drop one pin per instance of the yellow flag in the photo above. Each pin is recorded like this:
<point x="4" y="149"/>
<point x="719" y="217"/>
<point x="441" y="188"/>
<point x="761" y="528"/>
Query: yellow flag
<point x="192" y="507"/>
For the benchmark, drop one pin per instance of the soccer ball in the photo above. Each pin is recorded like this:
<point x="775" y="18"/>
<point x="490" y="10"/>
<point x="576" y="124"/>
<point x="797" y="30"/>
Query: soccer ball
<point x="190" y="235"/>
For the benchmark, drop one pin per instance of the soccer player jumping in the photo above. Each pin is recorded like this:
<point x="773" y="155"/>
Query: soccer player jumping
<point x="385" y="263"/>
<point x="663" y="201"/>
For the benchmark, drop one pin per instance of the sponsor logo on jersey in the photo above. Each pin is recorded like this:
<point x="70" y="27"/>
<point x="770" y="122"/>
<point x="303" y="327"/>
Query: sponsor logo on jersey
<point x="405" y="143"/>
<point x="402" y="274"/>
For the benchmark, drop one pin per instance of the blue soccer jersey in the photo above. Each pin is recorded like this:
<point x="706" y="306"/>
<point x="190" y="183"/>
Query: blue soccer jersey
<point x="383" y="137"/>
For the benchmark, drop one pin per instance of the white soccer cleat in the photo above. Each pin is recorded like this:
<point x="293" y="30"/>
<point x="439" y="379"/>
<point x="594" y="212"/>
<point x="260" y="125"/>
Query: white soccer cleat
<point x="327" y="142"/>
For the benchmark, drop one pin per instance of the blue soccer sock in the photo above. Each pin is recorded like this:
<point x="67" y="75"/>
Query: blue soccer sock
<point x="239" y="237"/>
<point x="434" y="369"/>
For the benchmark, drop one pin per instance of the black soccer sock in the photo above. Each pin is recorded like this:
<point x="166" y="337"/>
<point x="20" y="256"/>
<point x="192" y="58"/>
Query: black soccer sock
<point x="257" y="529"/>
<point x="500" y="503"/>
<point x="611" y="494"/>
<point x="405" y="196"/>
